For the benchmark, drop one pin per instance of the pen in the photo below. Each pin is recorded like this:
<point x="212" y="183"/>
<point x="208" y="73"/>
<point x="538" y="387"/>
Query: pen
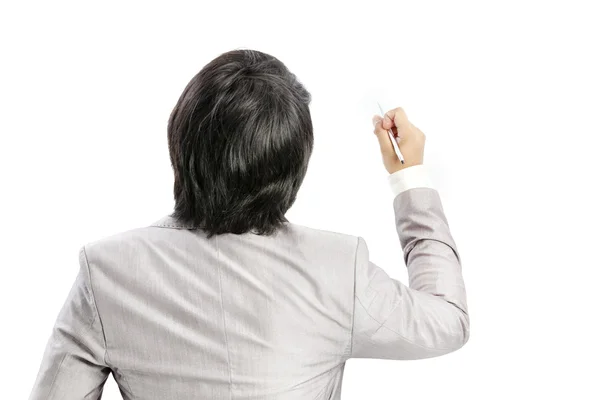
<point x="391" y="135"/>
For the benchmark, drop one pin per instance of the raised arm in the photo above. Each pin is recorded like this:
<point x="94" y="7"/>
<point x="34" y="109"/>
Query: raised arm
<point x="428" y="318"/>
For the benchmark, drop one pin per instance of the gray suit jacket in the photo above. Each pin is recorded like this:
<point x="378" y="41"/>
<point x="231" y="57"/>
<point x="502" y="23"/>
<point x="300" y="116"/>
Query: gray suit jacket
<point x="176" y="316"/>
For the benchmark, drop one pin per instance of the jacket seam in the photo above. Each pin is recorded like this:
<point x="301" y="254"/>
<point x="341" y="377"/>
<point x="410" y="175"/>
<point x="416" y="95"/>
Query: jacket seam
<point x="353" y="298"/>
<point x="224" y="322"/>
<point x="105" y="356"/>
<point x="75" y="339"/>
<point x="52" y="387"/>
<point x="93" y="297"/>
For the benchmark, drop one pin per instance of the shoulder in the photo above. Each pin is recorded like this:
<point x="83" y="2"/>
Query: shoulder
<point x="137" y="241"/>
<point x="323" y="238"/>
<point x="117" y="244"/>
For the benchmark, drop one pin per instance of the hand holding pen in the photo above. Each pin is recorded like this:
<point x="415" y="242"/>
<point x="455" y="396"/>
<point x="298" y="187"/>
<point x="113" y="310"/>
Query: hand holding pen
<point x="402" y="144"/>
<point x="393" y="137"/>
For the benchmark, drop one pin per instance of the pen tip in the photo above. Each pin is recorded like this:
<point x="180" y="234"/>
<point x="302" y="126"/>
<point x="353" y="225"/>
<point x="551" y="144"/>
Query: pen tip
<point x="402" y="161"/>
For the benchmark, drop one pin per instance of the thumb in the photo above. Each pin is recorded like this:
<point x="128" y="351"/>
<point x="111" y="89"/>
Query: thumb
<point x="387" y="149"/>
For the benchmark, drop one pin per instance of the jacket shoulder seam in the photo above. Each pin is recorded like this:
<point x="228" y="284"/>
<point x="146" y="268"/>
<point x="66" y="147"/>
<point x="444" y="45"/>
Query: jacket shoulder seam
<point x="93" y="298"/>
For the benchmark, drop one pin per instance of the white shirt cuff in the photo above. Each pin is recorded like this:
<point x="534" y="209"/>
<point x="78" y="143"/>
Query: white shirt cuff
<point x="409" y="178"/>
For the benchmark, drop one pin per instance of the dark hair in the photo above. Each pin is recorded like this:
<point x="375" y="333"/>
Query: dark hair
<point x="240" y="138"/>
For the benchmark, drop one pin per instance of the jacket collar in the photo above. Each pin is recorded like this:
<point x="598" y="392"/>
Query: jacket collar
<point x="169" y="222"/>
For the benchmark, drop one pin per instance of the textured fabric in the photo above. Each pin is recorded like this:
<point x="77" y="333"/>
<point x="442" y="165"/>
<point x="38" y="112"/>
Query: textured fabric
<point x="174" y="315"/>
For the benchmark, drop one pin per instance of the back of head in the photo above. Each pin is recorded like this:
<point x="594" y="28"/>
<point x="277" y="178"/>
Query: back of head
<point x="240" y="138"/>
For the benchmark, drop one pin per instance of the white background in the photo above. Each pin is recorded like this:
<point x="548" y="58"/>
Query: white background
<point x="507" y="92"/>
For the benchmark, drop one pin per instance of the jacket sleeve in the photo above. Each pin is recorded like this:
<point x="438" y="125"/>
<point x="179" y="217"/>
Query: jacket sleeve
<point x="73" y="366"/>
<point x="430" y="317"/>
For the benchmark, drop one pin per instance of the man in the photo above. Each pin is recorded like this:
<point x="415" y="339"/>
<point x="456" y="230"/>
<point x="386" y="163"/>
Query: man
<point x="225" y="298"/>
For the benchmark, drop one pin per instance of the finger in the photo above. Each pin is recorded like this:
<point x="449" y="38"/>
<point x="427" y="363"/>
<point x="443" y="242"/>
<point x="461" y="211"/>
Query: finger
<point x="385" y="145"/>
<point x="376" y="119"/>
<point x="396" y="117"/>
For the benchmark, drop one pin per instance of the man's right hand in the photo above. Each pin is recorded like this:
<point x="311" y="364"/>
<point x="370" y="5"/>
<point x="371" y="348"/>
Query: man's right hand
<point x="411" y="143"/>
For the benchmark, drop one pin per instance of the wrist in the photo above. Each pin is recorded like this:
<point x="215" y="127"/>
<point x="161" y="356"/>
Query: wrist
<point x="409" y="177"/>
<point x="404" y="166"/>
